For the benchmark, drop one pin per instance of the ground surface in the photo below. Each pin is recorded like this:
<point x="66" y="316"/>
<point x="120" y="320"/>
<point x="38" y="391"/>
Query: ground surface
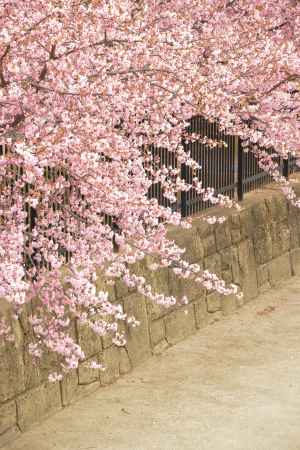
<point x="235" y="385"/>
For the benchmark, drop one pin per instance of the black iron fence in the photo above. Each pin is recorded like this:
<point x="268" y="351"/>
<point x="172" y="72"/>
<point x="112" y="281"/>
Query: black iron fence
<point x="230" y="168"/>
<point x="227" y="168"/>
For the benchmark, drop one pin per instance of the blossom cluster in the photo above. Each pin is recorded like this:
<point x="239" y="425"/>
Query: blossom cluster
<point x="86" y="88"/>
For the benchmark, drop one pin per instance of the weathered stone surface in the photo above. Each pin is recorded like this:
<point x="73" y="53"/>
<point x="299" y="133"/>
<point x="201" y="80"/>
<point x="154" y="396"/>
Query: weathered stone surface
<point x="260" y="213"/>
<point x="262" y="275"/>
<point x="37" y="403"/>
<point x="227" y="258"/>
<point x="213" y="302"/>
<point x="209" y="245"/>
<point x="294" y="227"/>
<point x="12" y="369"/>
<point x="121" y="289"/>
<point x="107" y="338"/>
<point x="157" y="331"/>
<point x="247" y="266"/>
<point x="138" y="340"/>
<point x="201" y="314"/>
<point x="280" y="269"/>
<point x="235" y="268"/>
<point x="247" y="223"/>
<point x="227" y="276"/>
<point x="69" y="388"/>
<point x="180" y="324"/>
<point x="228" y="304"/>
<point x="213" y="264"/>
<point x="111" y="362"/>
<point x="235" y="228"/>
<point x="125" y="365"/>
<point x="86" y="375"/>
<point x="102" y="285"/>
<point x="295" y="261"/>
<point x="204" y="229"/>
<point x="214" y="317"/>
<point x="223" y="235"/>
<point x="191" y="240"/>
<point x="89" y="341"/>
<point x="262" y="241"/>
<point x="8" y="416"/>
<point x="159" y="279"/>
<point x="280" y="234"/>
<point x="236" y="236"/>
<point x="161" y="347"/>
<point x="180" y="287"/>
<point x="234" y="220"/>
<point x="277" y="207"/>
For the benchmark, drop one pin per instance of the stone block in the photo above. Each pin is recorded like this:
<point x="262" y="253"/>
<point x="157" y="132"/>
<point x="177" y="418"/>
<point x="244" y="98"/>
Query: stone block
<point x="227" y="256"/>
<point x="228" y="304"/>
<point x="102" y="285"/>
<point x="180" y="287"/>
<point x="262" y="275"/>
<point x="227" y="276"/>
<point x="213" y="264"/>
<point x="247" y="266"/>
<point x="189" y="239"/>
<point x="277" y="207"/>
<point x="89" y="341"/>
<point x="121" y="289"/>
<point x="247" y="223"/>
<point x="157" y="331"/>
<point x="260" y="213"/>
<point x="203" y="228"/>
<point x="201" y="314"/>
<point x="107" y="338"/>
<point x="262" y="242"/>
<point x="37" y="403"/>
<point x="180" y="324"/>
<point x="111" y="361"/>
<point x="209" y="244"/>
<point x="87" y="375"/>
<point x="125" y="365"/>
<point x="234" y="220"/>
<point x="12" y="369"/>
<point x="160" y="348"/>
<point x="294" y="227"/>
<point x="159" y="279"/>
<point x="8" y="416"/>
<point x="223" y="235"/>
<point x="214" y="317"/>
<point x="236" y="236"/>
<point x="213" y="302"/>
<point x="138" y="340"/>
<point x="280" y="234"/>
<point x="280" y="269"/>
<point x="69" y="388"/>
<point x="295" y="261"/>
<point x="235" y="267"/>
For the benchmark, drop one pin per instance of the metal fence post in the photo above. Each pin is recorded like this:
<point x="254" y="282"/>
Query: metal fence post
<point x="239" y="168"/>
<point x="183" y="203"/>
<point x="285" y="167"/>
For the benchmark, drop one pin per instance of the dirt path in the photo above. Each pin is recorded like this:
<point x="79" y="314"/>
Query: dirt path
<point x="233" y="386"/>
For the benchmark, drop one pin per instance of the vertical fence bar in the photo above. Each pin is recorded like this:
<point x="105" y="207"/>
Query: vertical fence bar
<point x="285" y="168"/>
<point x="183" y="175"/>
<point x="240" y="169"/>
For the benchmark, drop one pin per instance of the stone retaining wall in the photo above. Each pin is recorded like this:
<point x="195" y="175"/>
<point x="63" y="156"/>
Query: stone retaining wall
<point x="255" y="248"/>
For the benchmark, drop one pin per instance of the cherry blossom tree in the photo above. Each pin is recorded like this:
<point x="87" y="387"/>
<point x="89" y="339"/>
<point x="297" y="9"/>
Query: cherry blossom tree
<point x="86" y="87"/>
